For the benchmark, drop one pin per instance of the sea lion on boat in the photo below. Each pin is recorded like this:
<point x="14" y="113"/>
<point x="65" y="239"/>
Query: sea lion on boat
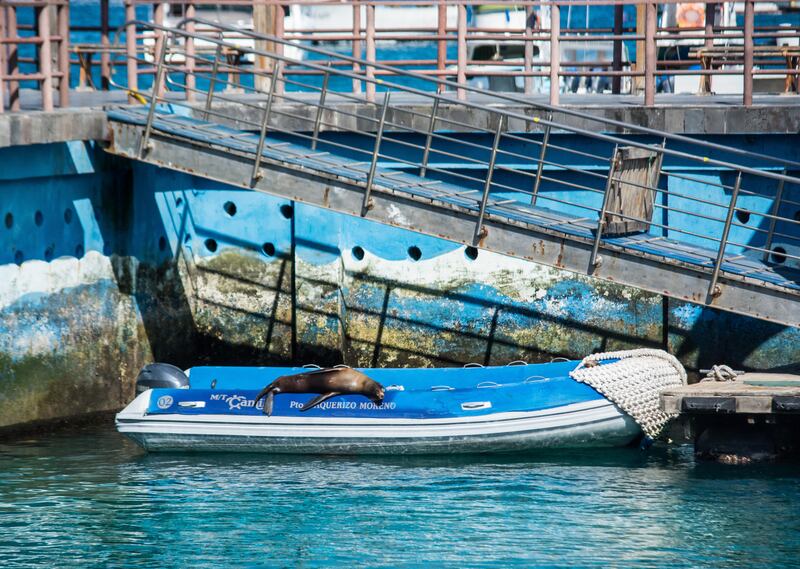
<point x="327" y="383"/>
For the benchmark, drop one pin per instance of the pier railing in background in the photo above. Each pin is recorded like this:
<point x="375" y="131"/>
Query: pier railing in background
<point x="48" y="36"/>
<point x="545" y="47"/>
<point x="711" y="230"/>
<point x="526" y="47"/>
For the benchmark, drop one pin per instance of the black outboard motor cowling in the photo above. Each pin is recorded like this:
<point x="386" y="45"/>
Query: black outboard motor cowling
<point x="160" y="375"/>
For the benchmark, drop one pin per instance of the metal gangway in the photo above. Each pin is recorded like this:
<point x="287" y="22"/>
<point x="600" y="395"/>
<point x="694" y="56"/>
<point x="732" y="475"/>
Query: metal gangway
<point x="520" y="189"/>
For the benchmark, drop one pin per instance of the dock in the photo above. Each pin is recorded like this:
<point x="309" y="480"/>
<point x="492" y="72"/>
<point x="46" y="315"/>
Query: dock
<point x="769" y="394"/>
<point x="755" y="415"/>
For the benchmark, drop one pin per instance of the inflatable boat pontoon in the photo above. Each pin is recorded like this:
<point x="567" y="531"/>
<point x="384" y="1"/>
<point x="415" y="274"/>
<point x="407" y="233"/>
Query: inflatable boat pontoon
<point x="452" y="410"/>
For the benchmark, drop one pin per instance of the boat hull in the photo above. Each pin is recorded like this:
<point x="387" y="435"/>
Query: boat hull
<point x="592" y="424"/>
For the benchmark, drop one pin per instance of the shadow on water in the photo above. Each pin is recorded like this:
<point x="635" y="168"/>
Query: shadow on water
<point x="594" y="457"/>
<point x="90" y="446"/>
<point x="659" y="457"/>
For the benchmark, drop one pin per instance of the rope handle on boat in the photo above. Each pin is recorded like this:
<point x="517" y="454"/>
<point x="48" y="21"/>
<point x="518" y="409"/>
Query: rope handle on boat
<point x="558" y="359"/>
<point x="485" y="384"/>
<point x="312" y="366"/>
<point x="535" y="379"/>
<point x="394" y="387"/>
<point x="342" y="366"/>
<point x="476" y="405"/>
<point x="517" y="363"/>
<point x="442" y="388"/>
<point x="473" y="364"/>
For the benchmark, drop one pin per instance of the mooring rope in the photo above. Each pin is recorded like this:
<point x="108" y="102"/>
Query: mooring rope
<point x="721" y="373"/>
<point x="634" y="383"/>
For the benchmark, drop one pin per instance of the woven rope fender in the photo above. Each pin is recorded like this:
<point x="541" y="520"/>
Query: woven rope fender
<point x="634" y="382"/>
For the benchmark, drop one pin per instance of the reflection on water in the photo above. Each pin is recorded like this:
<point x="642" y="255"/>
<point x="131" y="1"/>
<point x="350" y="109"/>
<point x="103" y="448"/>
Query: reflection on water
<point x="94" y="499"/>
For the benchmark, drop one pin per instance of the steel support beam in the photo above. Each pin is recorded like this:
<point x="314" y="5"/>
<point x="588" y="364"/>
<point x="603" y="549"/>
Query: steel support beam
<point x="555" y="53"/>
<point x="747" y="68"/>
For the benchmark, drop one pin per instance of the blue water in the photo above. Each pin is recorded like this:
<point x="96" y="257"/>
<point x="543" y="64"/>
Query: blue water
<point x="92" y="499"/>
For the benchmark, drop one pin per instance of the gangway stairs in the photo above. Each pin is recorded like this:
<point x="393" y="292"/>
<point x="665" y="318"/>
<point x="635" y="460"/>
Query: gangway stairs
<point x="215" y="137"/>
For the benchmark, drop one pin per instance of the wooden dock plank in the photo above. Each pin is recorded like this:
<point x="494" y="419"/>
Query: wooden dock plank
<point x="748" y="398"/>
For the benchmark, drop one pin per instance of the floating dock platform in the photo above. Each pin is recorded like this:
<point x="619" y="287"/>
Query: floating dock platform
<point x="755" y="416"/>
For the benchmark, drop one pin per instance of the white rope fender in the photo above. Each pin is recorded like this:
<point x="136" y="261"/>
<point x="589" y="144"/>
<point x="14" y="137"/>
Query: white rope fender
<point x="634" y="383"/>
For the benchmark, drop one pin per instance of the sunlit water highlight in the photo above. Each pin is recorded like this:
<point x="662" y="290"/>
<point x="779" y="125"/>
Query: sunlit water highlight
<point x="92" y="499"/>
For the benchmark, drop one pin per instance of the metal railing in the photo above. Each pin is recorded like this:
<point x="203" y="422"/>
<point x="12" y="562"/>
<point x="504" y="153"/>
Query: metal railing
<point x="549" y="42"/>
<point x="50" y="38"/>
<point x="542" y="55"/>
<point x="757" y="242"/>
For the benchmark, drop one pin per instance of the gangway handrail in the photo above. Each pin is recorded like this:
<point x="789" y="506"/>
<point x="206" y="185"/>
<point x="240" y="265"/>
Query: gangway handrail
<point x="548" y="123"/>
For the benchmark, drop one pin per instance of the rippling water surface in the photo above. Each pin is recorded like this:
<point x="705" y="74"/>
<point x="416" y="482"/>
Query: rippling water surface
<point x="93" y="499"/>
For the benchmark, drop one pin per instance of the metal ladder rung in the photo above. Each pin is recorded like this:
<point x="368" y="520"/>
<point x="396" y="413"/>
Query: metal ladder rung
<point x="210" y="130"/>
<point x="349" y="166"/>
<point x="760" y="270"/>
<point x="331" y="163"/>
<point x="501" y="202"/>
<point x="390" y="174"/>
<point x="215" y="129"/>
<point x="272" y="147"/>
<point x="243" y="135"/>
<point x="421" y="185"/>
<point x="712" y="262"/>
<point x="736" y="261"/>
<point x="632" y="241"/>
<point x="566" y="222"/>
<point x="453" y="194"/>
<point x="699" y="256"/>
<point x="417" y="184"/>
<point x="314" y="155"/>
<point x="409" y="187"/>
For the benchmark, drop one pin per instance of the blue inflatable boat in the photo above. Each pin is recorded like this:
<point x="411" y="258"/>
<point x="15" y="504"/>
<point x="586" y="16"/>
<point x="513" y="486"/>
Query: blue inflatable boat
<point x="452" y="410"/>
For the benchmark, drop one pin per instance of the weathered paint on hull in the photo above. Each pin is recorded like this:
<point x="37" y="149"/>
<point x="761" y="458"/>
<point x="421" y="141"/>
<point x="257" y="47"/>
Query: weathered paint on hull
<point x="72" y="342"/>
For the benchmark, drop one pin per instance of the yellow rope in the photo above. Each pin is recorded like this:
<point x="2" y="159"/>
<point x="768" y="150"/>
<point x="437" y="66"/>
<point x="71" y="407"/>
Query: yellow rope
<point x="136" y="95"/>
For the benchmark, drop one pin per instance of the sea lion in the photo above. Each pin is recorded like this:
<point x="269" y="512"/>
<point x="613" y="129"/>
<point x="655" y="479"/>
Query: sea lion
<point x="327" y="383"/>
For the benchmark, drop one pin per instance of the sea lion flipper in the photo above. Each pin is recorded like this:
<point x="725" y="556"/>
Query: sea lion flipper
<point x="318" y="399"/>
<point x="263" y="392"/>
<point x="267" y="394"/>
<point x="268" y="403"/>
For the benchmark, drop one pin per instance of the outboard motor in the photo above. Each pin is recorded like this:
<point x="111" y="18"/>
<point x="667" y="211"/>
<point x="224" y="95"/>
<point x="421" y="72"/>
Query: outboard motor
<point x="160" y="375"/>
